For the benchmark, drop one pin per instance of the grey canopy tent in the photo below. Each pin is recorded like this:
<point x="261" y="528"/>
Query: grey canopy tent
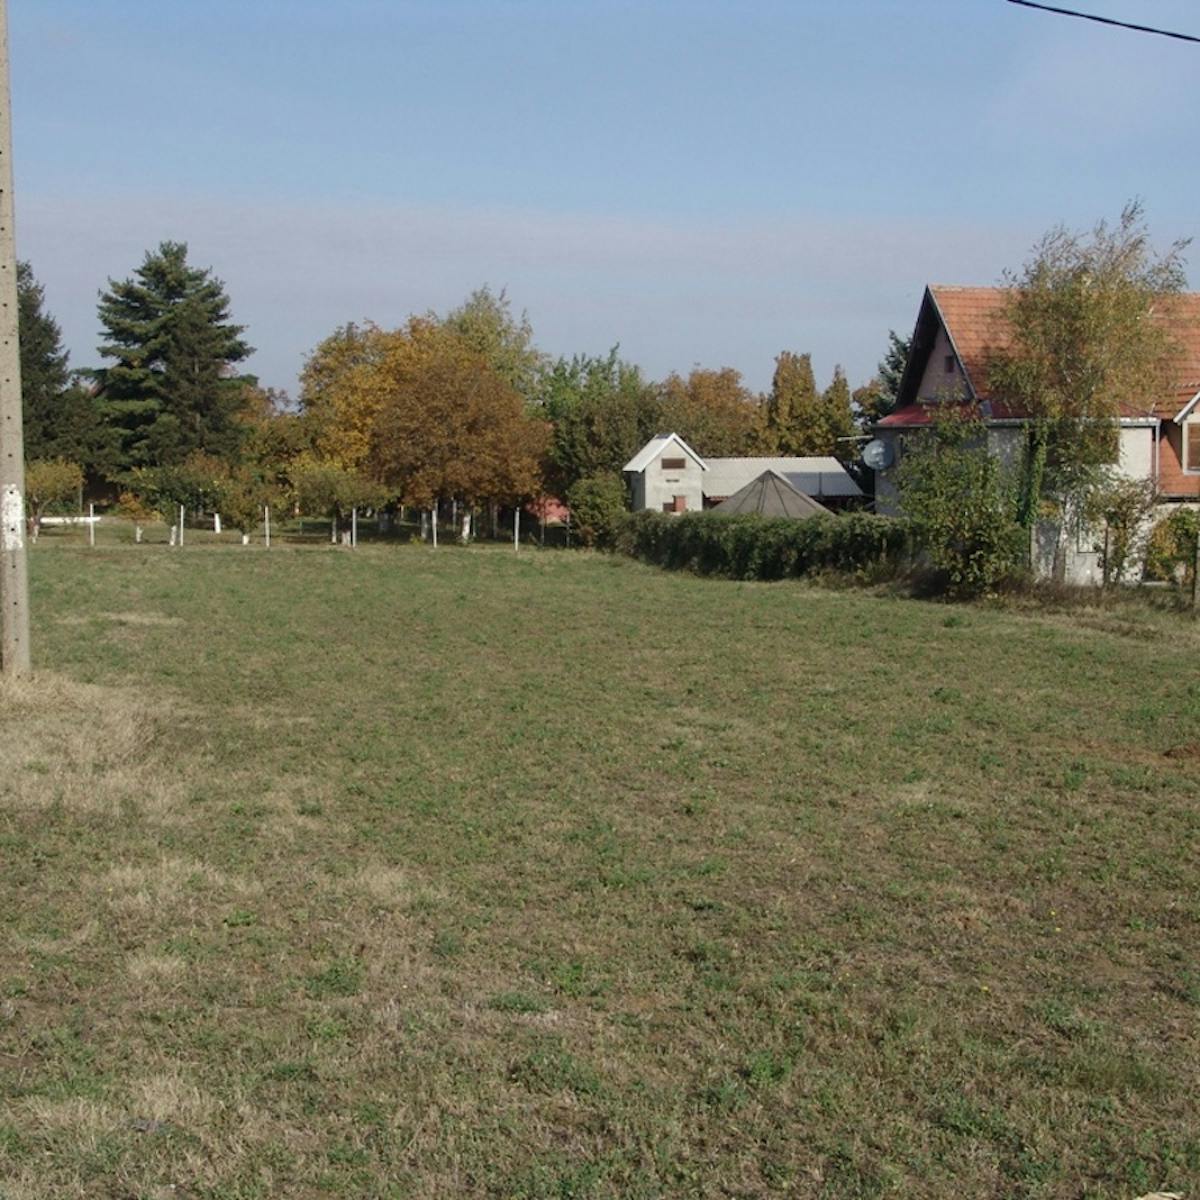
<point x="770" y="495"/>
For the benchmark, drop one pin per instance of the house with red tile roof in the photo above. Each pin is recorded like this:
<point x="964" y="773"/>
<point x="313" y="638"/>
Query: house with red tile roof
<point x="960" y="329"/>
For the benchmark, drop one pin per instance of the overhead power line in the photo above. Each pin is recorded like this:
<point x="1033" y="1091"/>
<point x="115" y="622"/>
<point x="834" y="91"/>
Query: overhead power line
<point x="1070" y="12"/>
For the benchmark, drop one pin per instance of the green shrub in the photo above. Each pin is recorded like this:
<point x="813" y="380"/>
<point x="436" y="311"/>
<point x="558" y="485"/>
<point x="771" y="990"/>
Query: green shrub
<point x="753" y="547"/>
<point x="962" y="502"/>
<point x="1172" y="545"/>
<point x="597" y="506"/>
<point x="1123" y="506"/>
<point x="49" y="483"/>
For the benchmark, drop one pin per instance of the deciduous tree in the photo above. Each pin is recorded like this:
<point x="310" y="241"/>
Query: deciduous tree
<point x="50" y="481"/>
<point x="713" y="412"/>
<point x="799" y="419"/>
<point x="1085" y="341"/>
<point x="792" y="404"/>
<point x="445" y="424"/>
<point x="602" y="412"/>
<point x="326" y="489"/>
<point x="338" y="409"/>
<point x="834" y="429"/>
<point x="486" y="324"/>
<point x="597" y="505"/>
<point x="961" y="501"/>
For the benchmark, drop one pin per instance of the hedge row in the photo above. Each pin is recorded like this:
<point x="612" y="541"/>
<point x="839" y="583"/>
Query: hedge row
<point x="752" y="547"/>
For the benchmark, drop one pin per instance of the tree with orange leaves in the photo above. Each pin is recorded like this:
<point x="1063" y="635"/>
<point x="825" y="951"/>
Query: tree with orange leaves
<point x="445" y="424"/>
<point x="713" y="411"/>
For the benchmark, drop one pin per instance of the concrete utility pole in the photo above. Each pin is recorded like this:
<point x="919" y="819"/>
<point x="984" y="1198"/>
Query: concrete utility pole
<point x="14" y="576"/>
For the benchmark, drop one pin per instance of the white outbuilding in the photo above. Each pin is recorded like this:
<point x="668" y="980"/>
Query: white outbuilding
<point x="667" y="475"/>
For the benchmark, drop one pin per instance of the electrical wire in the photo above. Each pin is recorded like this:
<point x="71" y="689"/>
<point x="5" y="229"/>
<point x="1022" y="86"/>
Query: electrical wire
<point x="1068" y="12"/>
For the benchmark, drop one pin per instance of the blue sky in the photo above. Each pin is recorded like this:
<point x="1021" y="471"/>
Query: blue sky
<point x="704" y="183"/>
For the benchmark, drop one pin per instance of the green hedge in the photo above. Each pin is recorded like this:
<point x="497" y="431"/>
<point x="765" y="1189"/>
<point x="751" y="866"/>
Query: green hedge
<point x="752" y="547"/>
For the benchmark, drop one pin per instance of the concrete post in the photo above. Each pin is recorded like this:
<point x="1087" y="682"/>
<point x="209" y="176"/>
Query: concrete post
<point x="14" y="572"/>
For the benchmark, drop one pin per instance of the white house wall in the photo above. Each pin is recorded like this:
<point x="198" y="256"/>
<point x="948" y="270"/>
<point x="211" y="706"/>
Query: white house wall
<point x="655" y="487"/>
<point x="1136" y="456"/>
<point x="1007" y="443"/>
<point x="1081" y="560"/>
<point x="937" y="383"/>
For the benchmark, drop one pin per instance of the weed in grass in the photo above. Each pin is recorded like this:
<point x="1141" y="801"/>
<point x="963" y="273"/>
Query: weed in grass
<point x="553" y="1070"/>
<point x="765" y="1067"/>
<point x="447" y="944"/>
<point x="343" y="977"/>
<point x="298" y="1071"/>
<point x="727" y="1094"/>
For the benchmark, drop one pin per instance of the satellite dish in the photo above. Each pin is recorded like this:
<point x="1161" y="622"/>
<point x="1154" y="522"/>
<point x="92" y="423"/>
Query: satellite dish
<point x="877" y="454"/>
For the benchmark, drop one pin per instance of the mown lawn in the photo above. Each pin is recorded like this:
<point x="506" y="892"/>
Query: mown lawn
<point x="395" y="873"/>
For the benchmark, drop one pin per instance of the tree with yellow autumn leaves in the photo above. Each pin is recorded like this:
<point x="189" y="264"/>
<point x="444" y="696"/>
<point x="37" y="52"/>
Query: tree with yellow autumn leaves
<point x="421" y="412"/>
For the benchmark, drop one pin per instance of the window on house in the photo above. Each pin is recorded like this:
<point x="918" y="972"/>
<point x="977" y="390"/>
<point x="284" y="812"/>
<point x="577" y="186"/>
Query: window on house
<point x="1191" y="447"/>
<point x="949" y="364"/>
<point x="668" y="506"/>
<point x="673" y="464"/>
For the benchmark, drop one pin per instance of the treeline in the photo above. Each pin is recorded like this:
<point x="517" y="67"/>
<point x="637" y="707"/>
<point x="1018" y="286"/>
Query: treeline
<point x="461" y="406"/>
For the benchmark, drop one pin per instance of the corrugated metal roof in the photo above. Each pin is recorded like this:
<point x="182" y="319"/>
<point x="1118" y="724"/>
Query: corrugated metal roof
<point x="812" y="475"/>
<point x="771" y="495"/>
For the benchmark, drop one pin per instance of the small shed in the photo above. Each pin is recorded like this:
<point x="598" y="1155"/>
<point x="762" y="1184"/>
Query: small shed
<point x="771" y="495"/>
<point x="667" y="475"/>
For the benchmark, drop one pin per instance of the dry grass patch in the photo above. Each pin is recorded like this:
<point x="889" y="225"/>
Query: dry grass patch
<point x="170" y="1098"/>
<point x="84" y="748"/>
<point x="147" y="967"/>
<point x="149" y="619"/>
<point x="184" y="886"/>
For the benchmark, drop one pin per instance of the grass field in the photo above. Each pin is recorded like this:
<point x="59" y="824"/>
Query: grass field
<point x="398" y="873"/>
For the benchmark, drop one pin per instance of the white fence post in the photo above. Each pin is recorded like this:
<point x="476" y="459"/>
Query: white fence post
<point x="267" y="523"/>
<point x="517" y="526"/>
<point x="181" y="524"/>
<point x="354" y="527"/>
<point x="91" y="525"/>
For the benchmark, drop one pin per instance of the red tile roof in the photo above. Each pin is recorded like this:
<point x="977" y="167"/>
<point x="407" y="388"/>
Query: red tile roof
<point x="918" y="414"/>
<point x="974" y="320"/>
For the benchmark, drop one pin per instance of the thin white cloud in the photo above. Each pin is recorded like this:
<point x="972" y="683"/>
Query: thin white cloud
<point x="673" y="294"/>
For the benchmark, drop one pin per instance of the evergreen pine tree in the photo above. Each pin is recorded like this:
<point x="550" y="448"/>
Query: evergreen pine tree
<point x="44" y="372"/>
<point x="170" y="390"/>
<point x="873" y="401"/>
